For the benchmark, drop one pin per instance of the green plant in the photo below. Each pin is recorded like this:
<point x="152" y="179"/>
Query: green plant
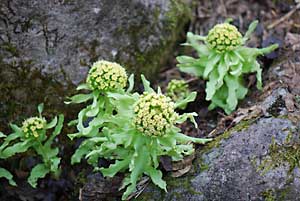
<point x="103" y="77"/>
<point x="134" y="136"/>
<point x="5" y="173"/>
<point x="33" y="135"/>
<point x="178" y="90"/>
<point x="223" y="60"/>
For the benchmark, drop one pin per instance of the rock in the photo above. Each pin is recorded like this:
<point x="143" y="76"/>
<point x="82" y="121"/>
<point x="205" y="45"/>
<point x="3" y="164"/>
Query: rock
<point x="258" y="159"/>
<point x="51" y="44"/>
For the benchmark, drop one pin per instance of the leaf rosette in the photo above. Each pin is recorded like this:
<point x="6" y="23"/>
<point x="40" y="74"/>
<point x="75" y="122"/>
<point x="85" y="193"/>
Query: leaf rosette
<point x="33" y="135"/>
<point x="223" y="61"/>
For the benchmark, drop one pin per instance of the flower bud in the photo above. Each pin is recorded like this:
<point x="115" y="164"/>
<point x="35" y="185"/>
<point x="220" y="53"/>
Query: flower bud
<point x="154" y="114"/>
<point x="32" y="126"/>
<point x="224" y="37"/>
<point x="177" y="89"/>
<point x="106" y="76"/>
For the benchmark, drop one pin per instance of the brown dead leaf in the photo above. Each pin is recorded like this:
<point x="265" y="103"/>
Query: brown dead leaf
<point x="181" y="172"/>
<point x="289" y="102"/>
<point x="181" y="167"/>
<point x="293" y="41"/>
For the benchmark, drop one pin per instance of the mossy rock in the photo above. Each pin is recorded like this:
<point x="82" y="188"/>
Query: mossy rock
<point x="47" y="47"/>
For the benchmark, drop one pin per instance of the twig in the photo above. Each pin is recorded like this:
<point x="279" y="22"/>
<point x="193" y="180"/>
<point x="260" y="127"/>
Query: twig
<point x="285" y="17"/>
<point x="191" y="80"/>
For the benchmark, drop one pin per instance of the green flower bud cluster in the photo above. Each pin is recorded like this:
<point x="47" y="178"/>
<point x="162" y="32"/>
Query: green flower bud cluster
<point x="32" y="126"/>
<point x="177" y="89"/>
<point x="154" y="114"/>
<point x="224" y="37"/>
<point x="107" y="76"/>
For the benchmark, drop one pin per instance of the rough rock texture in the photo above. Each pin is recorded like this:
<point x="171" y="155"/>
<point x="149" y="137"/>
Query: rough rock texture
<point x="258" y="159"/>
<point x="51" y="44"/>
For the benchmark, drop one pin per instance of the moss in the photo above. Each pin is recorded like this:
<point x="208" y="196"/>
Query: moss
<point x="269" y="195"/>
<point x="284" y="154"/>
<point x="217" y="141"/>
<point x="275" y="194"/>
<point x="147" y="61"/>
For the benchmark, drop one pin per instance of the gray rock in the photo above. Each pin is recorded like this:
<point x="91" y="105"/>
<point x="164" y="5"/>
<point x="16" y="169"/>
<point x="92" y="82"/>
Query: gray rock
<point x="67" y="36"/>
<point x="232" y="168"/>
<point x="47" y="46"/>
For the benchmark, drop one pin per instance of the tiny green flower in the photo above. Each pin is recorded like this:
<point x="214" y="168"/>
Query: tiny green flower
<point x="32" y="126"/>
<point x="154" y="114"/>
<point x="224" y="37"/>
<point x="106" y="76"/>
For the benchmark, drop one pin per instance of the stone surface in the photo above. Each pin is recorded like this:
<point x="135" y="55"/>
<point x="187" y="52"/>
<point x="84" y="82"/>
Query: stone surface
<point x="51" y="44"/>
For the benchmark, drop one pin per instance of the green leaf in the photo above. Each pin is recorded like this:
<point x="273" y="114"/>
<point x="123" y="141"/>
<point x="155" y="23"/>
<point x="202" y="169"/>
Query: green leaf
<point x="19" y="147"/>
<point x="52" y="123"/>
<point x="131" y="83"/>
<point x="7" y="175"/>
<point x="118" y="166"/>
<point x="56" y="131"/>
<point x="54" y="164"/>
<point x="137" y="167"/>
<point x="156" y="177"/>
<point x="8" y="139"/>
<point x="268" y="49"/>
<point x="211" y="84"/>
<point x="96" y="105"/>
<point x="123" y="102"/>
<point x="16" y="129"/>
<point x="211" y="64"/>
<point x="82" y="150"/>
<point x="236" y="70"/>
<point x="167" y="141"/>
<point x="222" y="71"/>
<point x="251" y="28"/>
<point x="79" y="98"/>
<point x="2" y="135"/>
<point x="83" y="86"/>
<point x="232" y="85"/>
<point x="184" y="138"/>
<point x="41" y="108"/>
<point x="81" y="118"/>
<point x="193" y="41"/>
<point x="39" y="171"/>
<point x="182" y="118"/>
<point x="185" y="59"/>
<point x="190" y="98"/>
<point x="146" y="84"/>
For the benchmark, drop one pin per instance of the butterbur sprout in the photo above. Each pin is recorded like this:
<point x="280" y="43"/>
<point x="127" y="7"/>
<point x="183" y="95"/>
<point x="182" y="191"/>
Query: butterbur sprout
<point x="106" y="76"/>
<point x="224" y="37"/>
<point x="32" y="126"/>
<point x="154" y="114"/>
<point x="177" y="89"/>
<point x="223" y="60"/>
